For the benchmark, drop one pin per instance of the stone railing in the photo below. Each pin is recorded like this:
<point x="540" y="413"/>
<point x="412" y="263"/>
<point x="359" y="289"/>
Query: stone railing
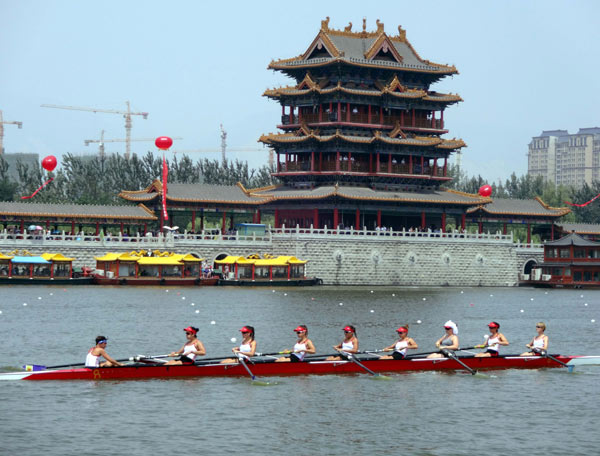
<point x="387" y="234"/>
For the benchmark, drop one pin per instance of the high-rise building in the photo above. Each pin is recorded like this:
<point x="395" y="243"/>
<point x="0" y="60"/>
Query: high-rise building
<point x="565" y="159"/>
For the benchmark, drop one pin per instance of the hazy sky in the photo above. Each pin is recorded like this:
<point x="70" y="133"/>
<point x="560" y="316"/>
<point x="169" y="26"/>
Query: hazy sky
<point x="525" y="66"/>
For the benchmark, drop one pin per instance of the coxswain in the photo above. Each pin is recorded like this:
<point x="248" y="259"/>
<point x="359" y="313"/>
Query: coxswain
<point x="303" y="346"/>
<point x="99" y="351"/>
<point x="539" y="344"/>
<point x="493" y="342"/>
<point x="348" y="346"/>
<point x="192" y="348"/>
<point x="448" y="342"/>
<point x="400" y="347"/>
<point x="246" y="349"/>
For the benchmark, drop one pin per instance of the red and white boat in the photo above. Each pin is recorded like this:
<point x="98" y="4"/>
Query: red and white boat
<point x="261" y="367"/>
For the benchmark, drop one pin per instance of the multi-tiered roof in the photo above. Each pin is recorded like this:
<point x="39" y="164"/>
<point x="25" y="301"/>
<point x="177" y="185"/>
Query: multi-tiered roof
<point x="362" y="113"/>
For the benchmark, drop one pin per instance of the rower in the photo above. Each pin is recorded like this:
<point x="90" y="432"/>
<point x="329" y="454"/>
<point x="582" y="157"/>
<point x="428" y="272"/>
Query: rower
<point x="400" y="347"/>
<point x="448" y="342"/>
<point x="493" y="342"/>
<point x="246" y="349"/>
<point x="348" y="346"/>
<point x="192" y="348"/>
<point x="303" y="346"/>
<point x="539" y="344"/>
<point x="93" y="357"/>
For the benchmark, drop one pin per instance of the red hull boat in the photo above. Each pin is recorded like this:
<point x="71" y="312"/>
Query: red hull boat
<point x="270" y="368"/>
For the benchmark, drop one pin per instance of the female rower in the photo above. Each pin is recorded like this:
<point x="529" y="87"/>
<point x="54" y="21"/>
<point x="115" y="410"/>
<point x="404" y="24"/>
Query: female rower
<point x="246" y="349"/>
<point x="399" y="348"/>
<point x="493" y="342"/>
<point x="303" y="346"/>
<point x="539" y="343"/>
<point x="448" y="342"/>
<point x="348" y="345"/>
<point x="192" y="348"/>
<point x="93" y="357"/>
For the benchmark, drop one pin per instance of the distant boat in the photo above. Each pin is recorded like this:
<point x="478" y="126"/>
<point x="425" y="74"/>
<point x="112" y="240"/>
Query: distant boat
<point x="20" y="268"/>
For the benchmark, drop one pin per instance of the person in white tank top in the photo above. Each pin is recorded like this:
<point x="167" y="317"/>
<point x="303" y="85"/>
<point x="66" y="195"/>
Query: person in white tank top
<point x="448" y="342"/>
<point x="493" y="342"/>
<point x="400" y="347"/>
<point x="348" y="345"/>
<point x="94" y="355"/>
<point x="192" y="348"/>
<point x="539" y="344"/>
<point x="303" y="346"/>
<point x="246" y="349"/>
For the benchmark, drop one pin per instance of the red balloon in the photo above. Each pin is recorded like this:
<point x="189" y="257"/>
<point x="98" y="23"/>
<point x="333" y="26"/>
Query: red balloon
<point x="163" y="142"/>
<point x="49" y="163"/>
<point x="485" y="190"/>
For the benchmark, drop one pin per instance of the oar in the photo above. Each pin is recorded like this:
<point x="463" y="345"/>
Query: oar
<point x="545" y="354"/>
<point x="39" y="367"/>
<point x="252" y="376"/>
<point x="417" y="355"/>
<point x="358" y="363"/>
<point x="452" y="355"/>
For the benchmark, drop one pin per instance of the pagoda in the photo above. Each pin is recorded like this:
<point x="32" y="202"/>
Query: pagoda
<point x="360" y="141"/>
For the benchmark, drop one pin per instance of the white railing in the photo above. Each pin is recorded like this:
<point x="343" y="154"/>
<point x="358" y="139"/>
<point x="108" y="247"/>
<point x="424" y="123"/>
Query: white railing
<point x="388" y="233"/>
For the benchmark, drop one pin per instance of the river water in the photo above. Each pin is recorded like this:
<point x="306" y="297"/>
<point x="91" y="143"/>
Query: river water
<point x="547" y="412"/>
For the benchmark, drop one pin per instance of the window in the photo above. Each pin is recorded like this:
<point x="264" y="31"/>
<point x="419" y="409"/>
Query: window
<point x="577" y="276"/>
<point x="564" y="253"/>
<point x="579" y="253"/>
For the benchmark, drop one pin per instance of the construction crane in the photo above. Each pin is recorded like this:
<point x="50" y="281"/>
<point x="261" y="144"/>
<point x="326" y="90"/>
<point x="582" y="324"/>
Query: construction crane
<point x="126" y="114"/>
<point x="223" y="142"/>
<point x="7" y="122"/>
<point x="101" y="142"/>
<point x="237" y="149"/>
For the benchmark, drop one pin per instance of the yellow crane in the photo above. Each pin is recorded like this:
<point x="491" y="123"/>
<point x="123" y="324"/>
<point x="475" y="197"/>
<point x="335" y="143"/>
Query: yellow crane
<point x="101" y="142"/>
<point x="126" y="114"/>
<point x="6" y="122"/>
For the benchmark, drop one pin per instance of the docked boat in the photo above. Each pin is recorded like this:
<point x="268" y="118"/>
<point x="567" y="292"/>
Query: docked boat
<point x="23" y="268"/>
<point x="151" y="268"/>
<point x="262" y="367"/>
<point x="267" y="271"/>
<point x="569" y="262"/>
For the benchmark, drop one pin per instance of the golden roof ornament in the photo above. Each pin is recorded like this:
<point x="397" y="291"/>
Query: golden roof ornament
<point x="364" y="24"/>
<point x="348" y="28"/>
<point x="325" y="24"/>
<point x="379" y="26"/>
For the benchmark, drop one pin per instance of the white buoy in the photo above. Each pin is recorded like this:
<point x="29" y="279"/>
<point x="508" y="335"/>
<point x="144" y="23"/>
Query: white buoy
<point x="341" y="303"/>
<point x="491" y="296"/>
<point x="24" y="303"/>
<point x="393" y="294"/>
<point x="461" y="292"/>
<point x="197" y="311"/>
<point x="522" y="311"/>
<point x="183" y="298"/>
<point x="166" y="291"/>
<point x="371" y="291"/>
<point x="0" y="312"/>
<point x="233" y="339"/>
<point x="192" y="304"/>
<point x="284" y="294"/>
<point x="532" y="299"/>
<point x="372" y="311"/>
<point x="545" y="292"/>
<point x="419" y="322"/>
<point x="39" y="297"/>
<point x="273" y="291"/>
<point x="581" y="296"/>
<point x="213" y="322"/>
<point x="424" y="299"/>
<point x="593" y="321"/>
<point x="51" y="294"/>
<point x="585" y="304"/>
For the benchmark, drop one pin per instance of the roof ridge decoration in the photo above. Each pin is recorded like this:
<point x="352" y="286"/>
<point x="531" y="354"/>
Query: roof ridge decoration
<point x="308" y="82"/>
<point x="397" y="131"/>
<point x="483" y="199"/>
<point x="552" y="208"/>
<point x="382" y="44"/>
<point x="322" y="41"/>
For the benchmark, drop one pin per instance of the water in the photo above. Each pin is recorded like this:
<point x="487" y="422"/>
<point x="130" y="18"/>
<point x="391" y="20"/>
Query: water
<point x="520" y="412"/>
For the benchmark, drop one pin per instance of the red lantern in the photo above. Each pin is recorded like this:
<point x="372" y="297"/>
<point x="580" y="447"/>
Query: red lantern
<point x="49" y="163"/>
<point x="485" y="191"/>
<point x="163" y="142"/>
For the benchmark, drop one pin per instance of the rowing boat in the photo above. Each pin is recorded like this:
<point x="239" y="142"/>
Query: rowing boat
<point x="261" y="367"/>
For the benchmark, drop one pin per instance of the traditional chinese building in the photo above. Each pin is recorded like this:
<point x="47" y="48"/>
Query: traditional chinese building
<point x="361" y="141"/>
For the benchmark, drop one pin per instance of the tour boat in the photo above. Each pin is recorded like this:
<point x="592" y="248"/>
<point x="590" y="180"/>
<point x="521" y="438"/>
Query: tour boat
<point x="262" y="367"/>
<point x="22" y="268"/>
<point x="156" y="268"/>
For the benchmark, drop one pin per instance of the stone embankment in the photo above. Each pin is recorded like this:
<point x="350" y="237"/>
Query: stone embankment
<point x="346" y="257"/>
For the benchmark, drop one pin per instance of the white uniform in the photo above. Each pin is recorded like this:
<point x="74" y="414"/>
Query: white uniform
<point x="347" y="346"/>
<point x="300" y="350"/>
<point x="538" y="343"/>
<point x="401" y="347"/>
<point x="493" y="343"/>
<point x="189" y="348"/>
<point x="92" y="360"/>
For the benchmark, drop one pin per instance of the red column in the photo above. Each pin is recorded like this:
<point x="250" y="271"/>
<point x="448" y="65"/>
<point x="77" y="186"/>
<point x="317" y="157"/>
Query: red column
<point x="390" y="163"/>
<point x="276" y="218"/>
<point x="379" y="218"/>
<point x="320" y="120"/>
<point x="339" y="115"/>
<point x="504" y="228"/>
<point x="52" y="270"/>
<point x="121" y="228"/>
<point x="349" y="161"/>
<point x="432" y="119"/>
<point x="422" y="164"/>
<point x="71" y="269"/>
<point x="347" y="112"/>
<point x="377" y="164"/>
<point x="235" y="273"/>
<point x="369" y="115"/>
<point x="72" y="226"/>
<point x="98" y="228"/>
<point x="288" y="271"/>
<point x="337" y="160"/>
<point x="402" y="117"/>
<point x="442" y="120"/>
<point x="529" y="233"/>
<point x="381" y="116"/>
<point x="423" y="221"/>
<point x="551" y="232"/>
<point x="47" y="225"/>
<point x="320" y="161"/>
<point x="224" y="222"/>
<point x="357" y="220"/>
<point x="202" y="221"/>
<point x="312" y="160"/>
<point x="193" y="220"/>
<point x="413" y="117"/>
<point x="299" y="114"/>
<point x="445" y="166"/>
<point x="270" y="272"/>
<point x="283" y="110"/>
<point x="22" y="226"/>
<point x="253" y="272"/>
<point x="145" y="229"/>
<point x="316" y="218"/>
<point x="463" y="221"/>
<point x="336" y="220"/>
<point x="258" y="216"/>
<point x="480" y="227"/>
<point x="443" y="222"/>
<point x="410" y="171"/>
<point x="231" y="222"/>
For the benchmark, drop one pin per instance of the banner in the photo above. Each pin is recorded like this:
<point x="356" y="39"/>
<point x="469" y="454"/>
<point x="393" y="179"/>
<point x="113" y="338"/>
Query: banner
<point x="165" y="173"/>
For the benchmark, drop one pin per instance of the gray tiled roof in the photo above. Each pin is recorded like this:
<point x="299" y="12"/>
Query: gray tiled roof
<point x="197" y="192"/>
<point x="553" y="133"/>
<point x="521" y="207"/>
<point x="573" y="239"/>
<point x="580" y="228"/>
<point x="589" y="131"/>
<point x="70" y="210"/>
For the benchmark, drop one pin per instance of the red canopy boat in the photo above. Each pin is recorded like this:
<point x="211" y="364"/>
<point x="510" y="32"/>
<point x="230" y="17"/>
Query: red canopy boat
<point x="270" y="368"/>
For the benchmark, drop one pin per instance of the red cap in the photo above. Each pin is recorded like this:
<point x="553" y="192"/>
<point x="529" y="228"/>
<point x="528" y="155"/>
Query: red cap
<point x="402" y="329"/>
<point x="245" y="330"/>
<point x="190" y="329"/>
<point x="348" y="328"/>
<point x="299" y="328"/>
<point x="493" y="324"/>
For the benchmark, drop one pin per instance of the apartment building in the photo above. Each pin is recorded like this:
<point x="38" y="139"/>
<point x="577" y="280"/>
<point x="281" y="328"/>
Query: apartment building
<point x="567" y="159"/>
